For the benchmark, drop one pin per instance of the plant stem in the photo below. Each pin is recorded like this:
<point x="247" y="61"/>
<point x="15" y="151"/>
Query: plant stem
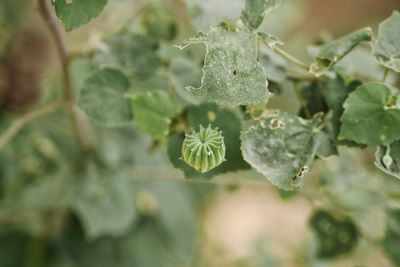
<point x="291" y="58"/>
<point x="385" y="74"/>
<point x="9" y="134"/>
<point x="78" y="122"/>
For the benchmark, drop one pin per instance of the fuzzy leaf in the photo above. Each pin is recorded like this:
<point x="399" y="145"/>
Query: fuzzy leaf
<point x="75" y="13"/>
<point x="367" y="118"/>
<point x="282" y="147"/>
<point x="103" y="98"/>
<point x="231" y="73"/>
<point x="332" y="52"/>
<point x="387" y="158"/>
<point x="153" y="112"/>
<point x="387" y="47"/>
<point x="255" y="10"/>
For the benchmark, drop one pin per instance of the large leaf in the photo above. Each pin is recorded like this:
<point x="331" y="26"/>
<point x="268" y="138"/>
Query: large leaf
<point x="281" y="147"/>
<point x="332" y="52"/>
<point x="369" y="117"/>
<point x="153" y="112"/>
<point x="134" y="54"/>
<point x="103" y="98"/>
<point x="167" y="237"/>
<point x="75" y="13"/>
<point x="232" y="74"/>
<point x="103" y="202"/>
<point x="387" y="47"/>
<point x="227" y="122"/>
<point x="387" y="158"/>
<point x="255" y="10"/>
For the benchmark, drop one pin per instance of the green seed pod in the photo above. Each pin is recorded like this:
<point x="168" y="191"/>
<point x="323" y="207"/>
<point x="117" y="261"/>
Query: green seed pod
<point x="204" y="150"/>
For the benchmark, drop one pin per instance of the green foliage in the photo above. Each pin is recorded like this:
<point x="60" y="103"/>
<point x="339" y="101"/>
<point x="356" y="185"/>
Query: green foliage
<point x="232" y="75"/>
<point x="332" y="52"/>
<point x="255" y="10"/>
<point x="76" y="13"/>
<point x="387" y="47"/>
<point x="103" y="98"/>
<point x="80" y="194"/>
<point x="335" y="235"/>
<point x="370" y="107"/>
<point x="134" y="54"/>
<point x="281" y="147"/>
<point x="153" y="112"/>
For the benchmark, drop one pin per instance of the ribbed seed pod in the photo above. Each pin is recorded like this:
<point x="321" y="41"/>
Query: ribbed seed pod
<point x="204" y="150"/>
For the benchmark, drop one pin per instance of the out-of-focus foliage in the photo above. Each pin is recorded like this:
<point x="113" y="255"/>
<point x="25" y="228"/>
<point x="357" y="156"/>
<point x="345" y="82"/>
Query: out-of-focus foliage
<point x="100" y="179"/>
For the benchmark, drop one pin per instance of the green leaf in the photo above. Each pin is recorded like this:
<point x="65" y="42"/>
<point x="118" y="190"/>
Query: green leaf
<point x="153" y="112"/>
<point x="227" y="122"/>
<point x="336" y="236"/>
<point x="232" y="74"/>
<point x="369" y="118"/>
<point x="103" y="202"/>
<point x="281" y="147"/>
<point x="75" y="13"/>
<point x="333" y="52"/>
<point x="134" y="54"/>
<point x="387" y="46"/>
<point x="103" y="98"/>
<point x="168" y="237"/>
<point x="255" y="10"/>
<point x="387" y="158"/>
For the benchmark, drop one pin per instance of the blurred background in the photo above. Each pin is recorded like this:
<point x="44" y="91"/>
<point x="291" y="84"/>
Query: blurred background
<point x="128" y="205"/>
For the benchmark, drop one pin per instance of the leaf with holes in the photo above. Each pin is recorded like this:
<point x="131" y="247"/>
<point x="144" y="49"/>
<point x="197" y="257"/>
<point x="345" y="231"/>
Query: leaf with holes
<point x="103" y="98"/>
<point x="370" y="117"/>
<point x="75" y="13"/>
<point x="153" y="112"/>
<point x="282" y="147"/>
<point x="387" y="47"/>
<point x="231" y="73"/>
<point x="331" y="53"/>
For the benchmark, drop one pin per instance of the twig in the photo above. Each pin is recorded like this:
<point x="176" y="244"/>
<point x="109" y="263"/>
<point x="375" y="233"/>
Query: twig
<point x="16" y="126"/>
<point x="82" y="135"/>
<point x="291" y="58"/>
<point x="385" y="74"/>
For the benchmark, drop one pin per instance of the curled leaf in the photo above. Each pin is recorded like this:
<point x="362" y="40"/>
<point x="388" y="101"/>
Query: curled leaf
<point x="332" y="52"/>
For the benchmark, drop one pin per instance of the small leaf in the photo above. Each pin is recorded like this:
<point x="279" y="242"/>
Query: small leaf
<point x="281" y="147"/>
<point x="336" y="236"/>
<point x="231" y="73"/>
<point x="368" y="117"/>
<point x="75" y="13"/>
<point x="387" y="158"/>
<point x="387" y="47"/>
<point x="332" y="52"/>
<point x="153" y="112"/>
<point x="255" y="10"/>
<point x="103" y="98"/>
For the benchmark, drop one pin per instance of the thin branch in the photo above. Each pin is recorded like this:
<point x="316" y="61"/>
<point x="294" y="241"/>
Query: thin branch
<point x="385" y="74"/>
<point x="291" y="58"/>
<point x="79" y="123"/>
<point x="17" y="124"/>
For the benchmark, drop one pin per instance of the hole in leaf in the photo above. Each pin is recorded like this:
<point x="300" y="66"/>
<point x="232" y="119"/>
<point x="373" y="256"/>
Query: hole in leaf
<point x="234" y="72"/>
